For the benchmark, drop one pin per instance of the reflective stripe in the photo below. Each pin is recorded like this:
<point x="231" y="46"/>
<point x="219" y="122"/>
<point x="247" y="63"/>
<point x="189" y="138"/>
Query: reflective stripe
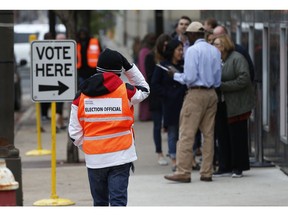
<point x="107" y="136"/>
<point x="106" y="119"/>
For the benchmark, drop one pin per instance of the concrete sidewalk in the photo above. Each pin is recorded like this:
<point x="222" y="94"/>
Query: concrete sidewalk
<point x="258" y="187"/>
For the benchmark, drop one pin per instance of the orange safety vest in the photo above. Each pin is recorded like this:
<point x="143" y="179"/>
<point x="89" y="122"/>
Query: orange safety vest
<point x="107" y="122"/>
<point x="93" y="52"/>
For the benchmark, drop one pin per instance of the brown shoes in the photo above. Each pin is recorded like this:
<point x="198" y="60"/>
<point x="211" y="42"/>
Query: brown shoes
<point x="185" y="178"/>
<point x="206" y="179"/>
<point x="178" y="177"/>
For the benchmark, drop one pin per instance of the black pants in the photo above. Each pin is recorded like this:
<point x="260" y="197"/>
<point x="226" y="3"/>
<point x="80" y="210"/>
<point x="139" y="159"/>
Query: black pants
<point x="233" y="153"/>
<point x="239" y="145"/>
<point x="44" y="109"/>
<point x="222" y="138"/>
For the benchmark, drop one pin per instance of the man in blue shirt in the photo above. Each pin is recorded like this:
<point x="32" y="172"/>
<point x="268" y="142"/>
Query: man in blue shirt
<point x="202" y="74"/>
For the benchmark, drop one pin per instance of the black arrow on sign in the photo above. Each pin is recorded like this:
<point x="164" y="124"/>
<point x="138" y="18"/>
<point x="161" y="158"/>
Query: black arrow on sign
<point x="60" y="88"/>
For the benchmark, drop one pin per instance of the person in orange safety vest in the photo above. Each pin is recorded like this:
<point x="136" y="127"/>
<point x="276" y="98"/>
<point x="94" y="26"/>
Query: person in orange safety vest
<point x="101" y="125"/>
<point x="88" y="51"/>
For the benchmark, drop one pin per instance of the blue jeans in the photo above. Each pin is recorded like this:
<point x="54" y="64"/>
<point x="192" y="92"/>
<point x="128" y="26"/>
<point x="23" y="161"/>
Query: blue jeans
<point x="173" y="131"/>
<point x="157" y="126"/>
<point x="109" y="185"/>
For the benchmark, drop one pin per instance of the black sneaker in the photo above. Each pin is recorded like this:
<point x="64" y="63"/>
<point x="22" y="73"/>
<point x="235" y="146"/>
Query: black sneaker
<point x="45" y="118"/>
<point x="63" y="127"/>
<point x="220" y="173"/>
<point x="237" y="174"/>
<point x="173" y="168"/>
<point x="196" y="167"/>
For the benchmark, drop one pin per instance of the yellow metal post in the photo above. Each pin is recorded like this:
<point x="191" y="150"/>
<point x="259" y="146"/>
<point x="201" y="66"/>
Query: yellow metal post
<point x="54" y="199"/>
<point x="53" y="148"/>
<point x="39" y="150"/>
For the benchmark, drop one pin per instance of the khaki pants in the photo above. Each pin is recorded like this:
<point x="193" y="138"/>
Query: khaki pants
<point x="198" y="111"/>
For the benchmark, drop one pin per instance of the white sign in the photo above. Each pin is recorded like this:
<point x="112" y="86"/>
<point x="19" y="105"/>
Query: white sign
<point x="53" y="70"/>
<point x="103" y="106"/>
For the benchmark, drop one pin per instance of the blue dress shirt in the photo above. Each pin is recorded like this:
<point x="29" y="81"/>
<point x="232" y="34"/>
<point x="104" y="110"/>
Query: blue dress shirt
<point x="202" y="66"/>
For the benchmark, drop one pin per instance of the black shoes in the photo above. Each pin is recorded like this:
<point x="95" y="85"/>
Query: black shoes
<point x="206" y="179"/>
<point x="234" y="174"/>
<point x="196" y="167"/>
<point x="62" y="128"/>
<point x="237" y="174"/>
<point x="220" y="173"/>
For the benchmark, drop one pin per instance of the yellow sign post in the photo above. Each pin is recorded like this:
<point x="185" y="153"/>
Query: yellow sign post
<point x="39" y="150"/>
<point x="54" y="199"/>
<point x="53" y="76"/>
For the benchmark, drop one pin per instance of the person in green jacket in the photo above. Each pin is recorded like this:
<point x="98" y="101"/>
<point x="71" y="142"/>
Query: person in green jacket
<point x="237" y="95"/>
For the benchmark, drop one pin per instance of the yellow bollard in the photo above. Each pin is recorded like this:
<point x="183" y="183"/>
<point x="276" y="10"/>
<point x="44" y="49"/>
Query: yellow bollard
<point x="54" y="199"/>
<point x="39" y="150"/>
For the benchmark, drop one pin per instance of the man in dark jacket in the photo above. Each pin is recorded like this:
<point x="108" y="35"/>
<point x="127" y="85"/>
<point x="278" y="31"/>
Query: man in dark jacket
<point x="88" y="51"/>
